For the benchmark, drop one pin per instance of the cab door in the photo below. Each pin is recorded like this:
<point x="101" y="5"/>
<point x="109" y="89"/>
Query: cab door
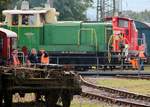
<point x="6" y="44"/>
<point x="3" y="45"/>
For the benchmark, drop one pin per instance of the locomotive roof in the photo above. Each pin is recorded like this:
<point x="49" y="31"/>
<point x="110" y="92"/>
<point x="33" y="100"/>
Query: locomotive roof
<point x="24" y="11"/>
<point x="8" y="32"/>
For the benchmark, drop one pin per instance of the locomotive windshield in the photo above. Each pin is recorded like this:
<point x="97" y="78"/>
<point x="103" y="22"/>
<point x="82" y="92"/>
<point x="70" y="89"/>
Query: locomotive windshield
<point x="14" y="43"/>
<point x="23" y="19"/>
<point x="15" y="19"/>
<point x="28" y="19"/>
<point x="123" y="23"/>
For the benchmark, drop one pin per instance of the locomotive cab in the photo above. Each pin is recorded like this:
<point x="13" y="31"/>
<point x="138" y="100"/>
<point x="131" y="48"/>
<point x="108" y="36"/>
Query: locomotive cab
<point x="30" y="18"/>
<point x="23" y="18"/>
<point x="125" y="33"/>
<point x="28" y="24"/>
<point x="7" y="44"/>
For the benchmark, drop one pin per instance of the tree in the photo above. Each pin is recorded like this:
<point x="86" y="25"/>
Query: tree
<point x="69" y="9"/>
<point x="140" y="16"/>
<point x="72" y="9"/>
<point x="4" y="4"/>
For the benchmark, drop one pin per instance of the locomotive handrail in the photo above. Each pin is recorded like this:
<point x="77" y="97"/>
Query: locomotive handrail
<point x="97" y="64"/>
<point x="95" y="35"/>
<point x="109" y="54"/>
<point x="114" y="56"/>
<point x="109" y="42"/>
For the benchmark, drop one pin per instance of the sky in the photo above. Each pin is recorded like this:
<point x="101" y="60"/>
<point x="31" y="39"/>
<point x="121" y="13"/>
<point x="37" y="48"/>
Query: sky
<point x="135" y="5"/>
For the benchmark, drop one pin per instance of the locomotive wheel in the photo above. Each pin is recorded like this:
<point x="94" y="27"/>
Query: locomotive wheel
<point x="1" y="97"/>
<point x="8" y="99"/>
<point x="51" y="99"/>
<point x="37" y="96"/>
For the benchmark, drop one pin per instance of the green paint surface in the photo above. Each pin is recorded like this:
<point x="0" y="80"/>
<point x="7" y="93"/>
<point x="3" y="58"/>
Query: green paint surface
<point x="70" y="36"/>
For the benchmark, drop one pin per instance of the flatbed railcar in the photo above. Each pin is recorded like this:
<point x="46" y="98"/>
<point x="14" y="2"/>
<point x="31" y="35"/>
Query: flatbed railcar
<point x="54" y="82"/>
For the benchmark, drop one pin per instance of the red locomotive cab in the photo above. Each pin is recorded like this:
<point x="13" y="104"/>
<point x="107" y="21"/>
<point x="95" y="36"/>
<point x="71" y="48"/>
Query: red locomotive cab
<point x="7" y="43"/>
<point x="124" y="32"/>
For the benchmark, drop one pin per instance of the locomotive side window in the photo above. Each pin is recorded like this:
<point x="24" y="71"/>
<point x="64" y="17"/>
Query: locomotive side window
<point x="42" y="18"/>
<point x="28" y="19"/>
<point x="25" y="19"/>
<point x="123" y="23"/>
<point x="14" y="43"/>
<point x="15" y="19"/>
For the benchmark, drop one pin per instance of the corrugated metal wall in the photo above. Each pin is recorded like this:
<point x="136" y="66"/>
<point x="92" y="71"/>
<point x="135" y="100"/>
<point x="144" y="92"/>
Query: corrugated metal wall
<point x="144" y="28"/>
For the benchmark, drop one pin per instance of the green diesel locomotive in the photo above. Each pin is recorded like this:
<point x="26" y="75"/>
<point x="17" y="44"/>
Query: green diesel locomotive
<point x="69" y="36"/>
<point x="41" y="30"/>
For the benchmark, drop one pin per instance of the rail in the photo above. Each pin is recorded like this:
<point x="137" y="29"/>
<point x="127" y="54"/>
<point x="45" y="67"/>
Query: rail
<point x="115" y="96"/>
<point x="144" y="77"/>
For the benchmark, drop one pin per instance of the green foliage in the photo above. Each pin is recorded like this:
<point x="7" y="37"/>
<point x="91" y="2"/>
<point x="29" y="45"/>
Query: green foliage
<point x="72" y="9"/>
<point x="69" y="9"/>
<point x="140" y="16"/>
<point x="4" y="4"/>
<point x="33" y="3"/>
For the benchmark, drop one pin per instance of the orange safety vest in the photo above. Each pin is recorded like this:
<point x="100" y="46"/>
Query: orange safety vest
<point x="44" y="60"/>
<point x="16" y="61"/>
<point x="133" y="63"/>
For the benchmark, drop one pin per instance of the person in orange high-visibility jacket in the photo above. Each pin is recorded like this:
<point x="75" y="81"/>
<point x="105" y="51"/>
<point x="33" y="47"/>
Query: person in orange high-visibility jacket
<point x="45" y="58"/>
<point x="142" y="57"/>
<point x="134" y="63"/>
<point x="15" y="58"/>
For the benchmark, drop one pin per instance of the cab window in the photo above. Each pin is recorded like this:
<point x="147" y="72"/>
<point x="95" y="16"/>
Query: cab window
<point x="42" y="18"/>
<point x="140" y="41"/>
<point x="14" y="43"/>
<point x="15" y="19"/>
<point x="28" y="19"/>
<point x="134" y="26"/>
<point x="123" y="23"/>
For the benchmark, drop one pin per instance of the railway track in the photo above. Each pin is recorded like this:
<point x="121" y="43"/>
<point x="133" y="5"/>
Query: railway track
<point x="113" y="73"/>
<point x="133" y="77"/>
<point x="114" y="96"/>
